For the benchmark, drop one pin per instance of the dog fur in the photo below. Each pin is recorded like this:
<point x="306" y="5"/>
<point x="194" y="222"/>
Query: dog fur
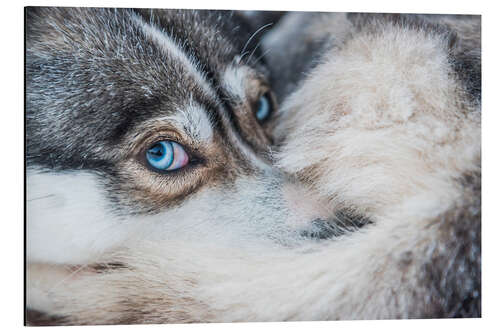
<point x="368" y="207"/>
<point x="387" y="123"/>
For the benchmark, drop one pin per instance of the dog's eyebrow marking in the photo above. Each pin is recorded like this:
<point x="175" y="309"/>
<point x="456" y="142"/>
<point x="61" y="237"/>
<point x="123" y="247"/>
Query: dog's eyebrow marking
<point x="170" y="47"/>
<point x="233" y="81"/>
<point x="191" y="119"/>
<point x="194" y="121"/>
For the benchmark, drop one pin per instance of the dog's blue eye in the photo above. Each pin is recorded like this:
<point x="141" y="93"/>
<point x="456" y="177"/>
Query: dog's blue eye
<point x="263" y="108"/>
<point x="167" y="155"/>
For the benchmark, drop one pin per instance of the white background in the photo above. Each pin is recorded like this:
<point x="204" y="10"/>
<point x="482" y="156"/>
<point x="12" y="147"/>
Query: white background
<point x="11" y="161"/>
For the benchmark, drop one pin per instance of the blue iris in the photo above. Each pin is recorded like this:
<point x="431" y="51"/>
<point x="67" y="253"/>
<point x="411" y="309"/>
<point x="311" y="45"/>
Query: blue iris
<point x="263" y="108"/>
<point x="161" y="155"/>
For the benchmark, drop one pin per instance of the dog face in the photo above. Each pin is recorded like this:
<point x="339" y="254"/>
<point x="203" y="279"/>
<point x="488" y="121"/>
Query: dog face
<point x="150" y="122"/>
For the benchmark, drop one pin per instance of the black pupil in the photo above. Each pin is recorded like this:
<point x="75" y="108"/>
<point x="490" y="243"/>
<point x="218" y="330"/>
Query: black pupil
<point x="156" y="150"/>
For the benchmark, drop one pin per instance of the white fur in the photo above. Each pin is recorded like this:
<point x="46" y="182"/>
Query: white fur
<point x="262" y="283"/>
<point x="197" y="125"/>
<point x="191" y="120"/>
<point x="255" y="211"/>
<point x="390" y="119"/>
<point x="234" y="80"/>
<point x="56" y="230"/>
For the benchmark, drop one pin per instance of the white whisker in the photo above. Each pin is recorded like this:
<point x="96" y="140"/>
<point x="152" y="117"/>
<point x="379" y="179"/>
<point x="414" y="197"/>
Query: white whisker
<point x="251" y="54"/>
<point x="261" y="56"/>
<point x="253" y="35"/>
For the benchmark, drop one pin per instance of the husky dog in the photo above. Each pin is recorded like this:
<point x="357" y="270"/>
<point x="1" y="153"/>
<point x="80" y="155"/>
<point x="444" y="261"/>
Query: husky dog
<point x="153" y="195"/>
